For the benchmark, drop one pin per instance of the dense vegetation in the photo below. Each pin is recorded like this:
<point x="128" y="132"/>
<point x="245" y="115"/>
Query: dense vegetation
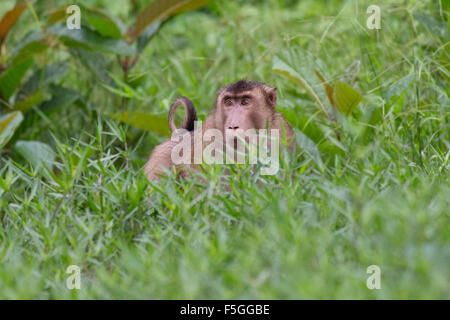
<point x="370" y="184"/>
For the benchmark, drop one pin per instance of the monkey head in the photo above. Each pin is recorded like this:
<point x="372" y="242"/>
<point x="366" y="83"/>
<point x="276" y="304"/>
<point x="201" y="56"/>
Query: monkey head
<point x="245" y="105"/>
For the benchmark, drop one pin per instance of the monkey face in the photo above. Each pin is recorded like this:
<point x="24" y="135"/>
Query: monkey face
<point x="251" y="109"/>
<point x="239" y="111"/>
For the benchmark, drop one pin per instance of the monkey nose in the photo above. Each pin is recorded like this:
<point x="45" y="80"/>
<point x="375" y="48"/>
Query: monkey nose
<point x="233" y="127"/>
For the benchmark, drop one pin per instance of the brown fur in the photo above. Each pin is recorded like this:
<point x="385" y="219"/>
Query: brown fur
<point x="259" y="113"/>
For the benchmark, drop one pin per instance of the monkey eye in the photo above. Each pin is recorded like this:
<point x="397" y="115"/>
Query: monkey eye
<point x="245" y="101"/>
<point x="228" y="102"/>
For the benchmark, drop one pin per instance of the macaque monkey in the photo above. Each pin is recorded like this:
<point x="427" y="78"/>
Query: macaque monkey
<point x="240" y="106"/>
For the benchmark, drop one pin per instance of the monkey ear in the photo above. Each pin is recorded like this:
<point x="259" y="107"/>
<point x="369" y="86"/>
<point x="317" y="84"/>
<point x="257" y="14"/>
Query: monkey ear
<point x="271" y="96"/>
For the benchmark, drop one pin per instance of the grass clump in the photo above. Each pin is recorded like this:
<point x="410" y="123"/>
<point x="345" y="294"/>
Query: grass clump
<point x="376" y="193"/>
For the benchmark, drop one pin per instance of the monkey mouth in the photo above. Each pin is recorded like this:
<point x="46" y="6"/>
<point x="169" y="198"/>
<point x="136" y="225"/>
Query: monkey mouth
<point x="232" y="136"/>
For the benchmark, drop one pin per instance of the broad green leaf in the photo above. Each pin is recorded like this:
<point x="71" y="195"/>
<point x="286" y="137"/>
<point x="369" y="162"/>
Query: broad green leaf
<point x="31" y="49"/>
<point x="61" y="98"/>
<point x="8" y="125"/>
<point x="300" y="67"/>
<point x="91" y="40"/>
<point x="148" y="34"/>
<point x="345" y="97"/>
<point x="145" y="121"/>
<point x="42" y="77"/>
<point x="10" y="78"/>
<point x="10" y="18"/>
<point x="30" y="45"/>
<point x="103" y="23"/>
<point x="38" y="154"/>
<point x="328" y="88"/>
<point x="30" y="101"/>
<point x="162" y="9"/>
<point x="57" y="14"/>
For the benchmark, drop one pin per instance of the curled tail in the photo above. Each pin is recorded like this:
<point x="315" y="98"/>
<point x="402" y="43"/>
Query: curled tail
<point x="189" y="117"/>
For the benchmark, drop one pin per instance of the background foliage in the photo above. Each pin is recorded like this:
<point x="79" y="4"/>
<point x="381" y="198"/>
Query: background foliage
<point x="80" y="112"/>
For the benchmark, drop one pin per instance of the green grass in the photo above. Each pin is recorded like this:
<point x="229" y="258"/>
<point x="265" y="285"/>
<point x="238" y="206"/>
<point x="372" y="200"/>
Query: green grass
<point x="381" y="197"/>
